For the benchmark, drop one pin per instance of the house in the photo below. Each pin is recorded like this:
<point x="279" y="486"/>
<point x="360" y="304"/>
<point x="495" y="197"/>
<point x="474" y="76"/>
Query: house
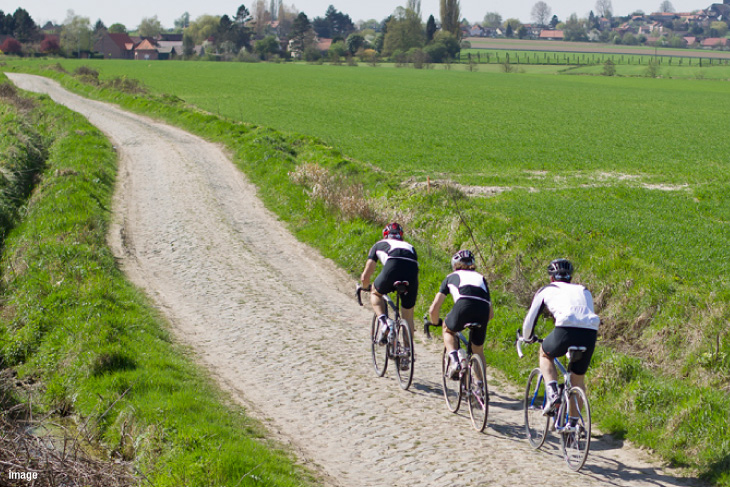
<point x="475" y="30"/>
<point x="169" y="49"/>
<point x="714" y="42"/>
<point x="552" y="35"/>
<point x="323" y="45"/>
<point x="147" y="50"/>
<point x="115" y="46"/>
<point x="690" y="40"/>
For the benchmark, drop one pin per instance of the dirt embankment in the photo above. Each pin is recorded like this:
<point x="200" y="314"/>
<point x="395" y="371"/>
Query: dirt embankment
<point x="278" y="326"/>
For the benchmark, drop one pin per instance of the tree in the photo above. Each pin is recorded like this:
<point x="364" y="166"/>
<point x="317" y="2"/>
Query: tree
<point x="182" y="22"/>
<point x="403" y="32"/>
<point x="302" y="35"/>
<point x="202" y="28"/>
<point x="24" y="29"/>
<point x="430" y="28"/>
<point x="355" y="42"/>
<point x="340" y="24"/>
<point x="604" y="8"/>
<point x="150" y="27"/>
<point x="540" y="13"/>
<point x="512" y="25"/>
<point x="415" y="6"/>
<point x="267" y="47"/>
<point x="575" y="29"/>
<point x="117" y="29"/>
<point x="718" y="29"/>
<point x="50" y="46"/>
<point x="509" y="32"/>
<point x="666" y="7"/>
<point x="322" y="28"/>
<point x="450" y="13"/>
<point x="76" y="33"/>
<point x="492" y="20"/>
<point x="261" y="17"/>
<point x="554" y="21"/>
<point x="11" y="46"/>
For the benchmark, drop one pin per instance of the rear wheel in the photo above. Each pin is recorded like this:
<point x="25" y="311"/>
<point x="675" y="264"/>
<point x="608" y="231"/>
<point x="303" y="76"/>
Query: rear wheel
<point x="379" y="352"/>
<point x="575" y="442"/>
<point x="452" y="388"/>
<point x="404" y="354"/>
<point x="478" y="392"/>
<point x="536" y="425"/>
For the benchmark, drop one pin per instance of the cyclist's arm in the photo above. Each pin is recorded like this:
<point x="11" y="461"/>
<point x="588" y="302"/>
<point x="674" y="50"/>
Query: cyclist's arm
<point x="433" y="311"/>
<point x="367" y="273"/>
<point x="528" y="327"/>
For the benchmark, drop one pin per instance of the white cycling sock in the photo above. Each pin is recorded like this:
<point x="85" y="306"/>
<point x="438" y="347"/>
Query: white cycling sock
<point x="552" y="388"/>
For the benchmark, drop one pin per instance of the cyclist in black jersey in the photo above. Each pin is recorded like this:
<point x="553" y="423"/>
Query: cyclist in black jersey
<point x="472" y="304"/>
<point x="400" y="263"/>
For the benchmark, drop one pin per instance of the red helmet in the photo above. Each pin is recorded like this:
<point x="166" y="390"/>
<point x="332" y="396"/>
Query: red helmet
<point x="393" y="230"/>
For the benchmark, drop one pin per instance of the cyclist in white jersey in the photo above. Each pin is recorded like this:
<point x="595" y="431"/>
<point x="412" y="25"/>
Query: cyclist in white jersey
<point x="472" y="304"/>
<point x="576" y="324"/>
<point x="400" y="263"/>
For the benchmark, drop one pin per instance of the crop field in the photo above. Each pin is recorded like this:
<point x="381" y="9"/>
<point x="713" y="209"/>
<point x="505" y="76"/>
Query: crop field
<point x="640" y="161"/>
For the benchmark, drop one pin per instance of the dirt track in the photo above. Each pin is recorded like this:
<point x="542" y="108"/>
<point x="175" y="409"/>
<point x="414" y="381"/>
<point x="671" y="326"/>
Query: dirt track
<point x="262" y="311"/>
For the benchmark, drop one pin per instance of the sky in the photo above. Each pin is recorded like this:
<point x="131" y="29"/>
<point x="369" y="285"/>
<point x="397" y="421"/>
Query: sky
<point x="131" y="12"/>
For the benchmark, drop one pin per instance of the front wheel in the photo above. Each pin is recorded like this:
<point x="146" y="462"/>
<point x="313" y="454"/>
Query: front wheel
<point x="452" y="388"/>
<point x="576" y="440"/>
<point x="404" y="355"/>
<point x="478" y="392"/>
<point x="379" y="352"/>
<point x="536" y="425"/>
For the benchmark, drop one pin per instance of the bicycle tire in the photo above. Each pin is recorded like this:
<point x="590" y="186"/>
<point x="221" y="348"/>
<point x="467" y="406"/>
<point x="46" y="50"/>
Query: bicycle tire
<point x="478" y="395"/>
<point x="404" y="355"/>
<point x="574" y="445"/>
<point x="452" y="388"/>
<point x="536" y="425"/>
<point x="379" y="352"/>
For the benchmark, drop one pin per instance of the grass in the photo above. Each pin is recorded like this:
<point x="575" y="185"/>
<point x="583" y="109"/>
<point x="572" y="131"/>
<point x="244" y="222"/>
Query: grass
<point x="101" y="352"/>
<point x="579" y="157"/>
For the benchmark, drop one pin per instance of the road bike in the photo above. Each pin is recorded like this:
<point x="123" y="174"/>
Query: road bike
<point x="399" y="346"/>
<point x="471" y="383"/>
<point x="575" y="439"/>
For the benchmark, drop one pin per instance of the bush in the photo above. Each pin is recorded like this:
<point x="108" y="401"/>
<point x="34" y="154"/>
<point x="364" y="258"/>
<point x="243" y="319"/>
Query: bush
<point x="11" y="46"/>
<point x="609" y="68"/>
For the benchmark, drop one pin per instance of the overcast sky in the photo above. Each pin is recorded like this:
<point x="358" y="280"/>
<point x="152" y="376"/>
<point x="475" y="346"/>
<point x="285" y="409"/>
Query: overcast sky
<point x="131" y="12"/>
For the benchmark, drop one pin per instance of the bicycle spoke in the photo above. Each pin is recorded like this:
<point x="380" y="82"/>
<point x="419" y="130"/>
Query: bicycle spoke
<point x="379" y="352"/>
<point x="478" y="393"/>
<point x="575" y="441"/>
<point x="536" y="425"/>
<point x="452" y="388"/>
<point x="404" y="355"/>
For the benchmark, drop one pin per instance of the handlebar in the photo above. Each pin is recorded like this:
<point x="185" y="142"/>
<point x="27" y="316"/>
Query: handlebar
<point x="358" y="290"/>
<point x="427" y="325"/>
<point x="520" y="340"/>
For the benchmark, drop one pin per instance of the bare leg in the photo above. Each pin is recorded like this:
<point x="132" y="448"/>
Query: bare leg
<point x="378" y="303"/>
<point x="547" y="367"/>
<point x="407" y="315"/>
<point x="579" y="382"/>
<point x="479" y="350"/>
<point x="451" y="341"/>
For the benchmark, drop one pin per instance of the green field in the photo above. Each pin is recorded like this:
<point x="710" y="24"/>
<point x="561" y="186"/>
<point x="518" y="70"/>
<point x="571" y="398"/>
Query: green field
<point x="626" y="176"/>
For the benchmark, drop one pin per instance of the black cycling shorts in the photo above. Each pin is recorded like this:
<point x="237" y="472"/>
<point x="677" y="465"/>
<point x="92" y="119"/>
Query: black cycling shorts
<point x="399" y="270"/>
<point x="557" y="342"/>
<point x="469" y="311"/>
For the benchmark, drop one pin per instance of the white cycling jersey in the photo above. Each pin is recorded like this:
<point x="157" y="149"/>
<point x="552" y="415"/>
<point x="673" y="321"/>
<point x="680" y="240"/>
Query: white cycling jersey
<point x="570" y="304"/>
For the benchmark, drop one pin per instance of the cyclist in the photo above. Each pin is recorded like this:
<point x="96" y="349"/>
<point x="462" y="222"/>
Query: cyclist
<point x="576" y="324"/>
<point x="472" y="304"/>
<point x="400" y="263"/>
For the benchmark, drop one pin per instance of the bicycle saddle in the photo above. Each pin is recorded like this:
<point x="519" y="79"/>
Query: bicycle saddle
<point x="401" y="287"/>
<point x="472" y="325"/>
<point x="575" y="353"/>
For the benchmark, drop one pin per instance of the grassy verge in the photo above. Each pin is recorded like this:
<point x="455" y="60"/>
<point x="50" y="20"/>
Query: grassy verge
<point x="640" y="404"/>
<point x="102" y="353"/>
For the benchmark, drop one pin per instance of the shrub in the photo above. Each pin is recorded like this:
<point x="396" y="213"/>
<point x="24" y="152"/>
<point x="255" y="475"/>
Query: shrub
<point x="11" y="46"/>
<point x="609" y="68"/>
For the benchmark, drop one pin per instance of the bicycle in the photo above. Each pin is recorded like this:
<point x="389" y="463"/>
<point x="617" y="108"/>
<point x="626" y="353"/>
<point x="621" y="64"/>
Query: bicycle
<point x="399" y="346"/>
<point x="468" y="384"/>
<point x="575" y="440"/>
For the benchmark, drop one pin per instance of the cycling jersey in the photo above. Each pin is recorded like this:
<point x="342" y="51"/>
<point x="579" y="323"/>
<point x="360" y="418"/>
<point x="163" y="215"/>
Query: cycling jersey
<point x="400" y="263"/>
<point x="392" y="249"/>
<point x="570" y="304"/>
<point x="471" y="303"/>
<point x="466" y="284"/>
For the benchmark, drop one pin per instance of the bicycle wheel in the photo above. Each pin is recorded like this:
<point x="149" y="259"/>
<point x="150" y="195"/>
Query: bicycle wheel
<point x="575" y="442"/>
<point x="404" y="354"/>
<point x="379" y="352"/>
<point x="452" y="388"/>
<point x="477" y="392"/>
<point x="536" y="425"/>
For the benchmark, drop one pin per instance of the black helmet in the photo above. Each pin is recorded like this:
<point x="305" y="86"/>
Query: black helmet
<point x="393" y="230"/>
<point x="464" y="257"/>
<point x="561" y="270"/>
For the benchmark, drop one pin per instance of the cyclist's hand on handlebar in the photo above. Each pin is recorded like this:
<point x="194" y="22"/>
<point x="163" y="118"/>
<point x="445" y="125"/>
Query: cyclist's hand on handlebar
<point x="531" y="339"/>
